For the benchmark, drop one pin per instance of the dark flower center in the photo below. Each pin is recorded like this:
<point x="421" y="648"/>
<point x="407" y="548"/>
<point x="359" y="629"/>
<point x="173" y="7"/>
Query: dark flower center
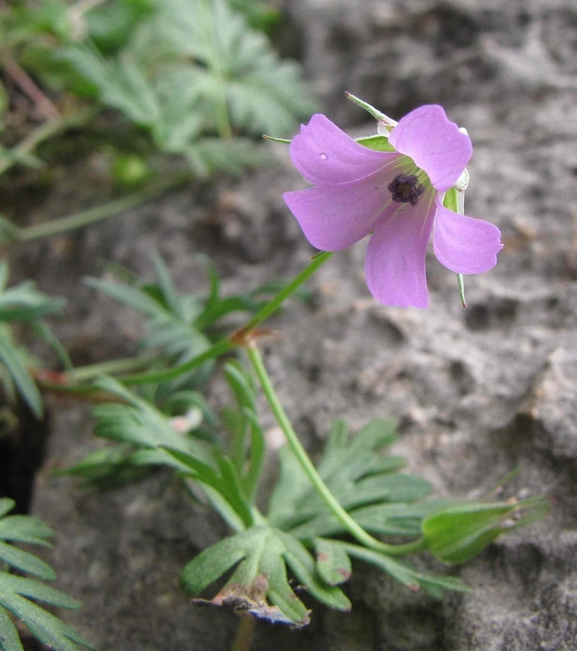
<point x="405" y="188"/>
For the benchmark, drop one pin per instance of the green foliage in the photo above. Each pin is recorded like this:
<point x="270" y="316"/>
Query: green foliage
<point x="365" y="483"/>
<point x="379" y="498"/>
<point x="194" y="75"/>
<point x="333" y="562"/>
<point x="19" y="594"/>
<point x="404" y="573"/>
<point x="183" y="326"/>
<point x="110" y="24"/>
<point x="170" y="325"/>
<point x="248" y="445"/>
<point x="460" y="533"/>
<point x="183" y="437"/>
<point x="23" y="304"/>
<point x="261" y="555"/>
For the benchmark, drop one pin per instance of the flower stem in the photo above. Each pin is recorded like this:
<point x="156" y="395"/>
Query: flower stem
<point x="306" y="464"/>
<point x="239" y="337"/>
<point x="272" y="306"/>
<point x="244" y="633"/>
<point x="87" y="217"/>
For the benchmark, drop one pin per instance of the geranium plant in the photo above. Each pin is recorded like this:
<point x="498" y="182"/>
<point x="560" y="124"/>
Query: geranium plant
<point x="401" y="184"/>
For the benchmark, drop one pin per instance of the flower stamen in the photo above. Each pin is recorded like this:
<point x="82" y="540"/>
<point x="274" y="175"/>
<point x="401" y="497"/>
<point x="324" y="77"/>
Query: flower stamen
<point x="406" y="188"/>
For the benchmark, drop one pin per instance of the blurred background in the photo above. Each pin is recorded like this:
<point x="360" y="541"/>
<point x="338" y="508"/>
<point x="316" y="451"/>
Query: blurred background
<point x="129" y="127"/>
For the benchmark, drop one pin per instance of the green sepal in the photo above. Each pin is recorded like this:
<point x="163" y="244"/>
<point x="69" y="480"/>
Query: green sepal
<point x="284" y="141"/>
<point x="455" y="201"/>
<point x="378" y="115"/>
<point x="461" y="283"/>
<point x="460" y="533"/>
<point x="376" y="143"/>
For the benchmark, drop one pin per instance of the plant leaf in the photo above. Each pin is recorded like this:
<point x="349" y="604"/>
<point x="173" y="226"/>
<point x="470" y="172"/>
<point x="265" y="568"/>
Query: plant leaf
<point x="9" y="638"/>
<point x="12" y="359"/>
<point x="333" y="562"/>
<point x="405" y="573"/>
<point x="26" y="562"/>
<point x="260" y="554"/>
<point x="15" y="591"/>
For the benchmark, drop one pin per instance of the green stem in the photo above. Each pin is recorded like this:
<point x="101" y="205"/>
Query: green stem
<point x="218" y="349"/>
<point x="271" y="307"/>
<point x="244" y="633"/>
<point x="113" y="367"/>
<point x="45" y="131"/>
<point x="306" y="464"/>
<point x="239" y="338"/>
<point x="87" y="217"/>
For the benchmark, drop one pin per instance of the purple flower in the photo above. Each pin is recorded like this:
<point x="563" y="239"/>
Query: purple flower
<point x="398" y="195"/>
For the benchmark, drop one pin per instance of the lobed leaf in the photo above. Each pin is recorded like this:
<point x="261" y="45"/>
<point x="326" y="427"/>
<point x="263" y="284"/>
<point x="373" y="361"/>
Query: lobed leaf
<point x="405" y="573"/>
<point x="333" y="562"/>
<point x="26" y="562"/>
<point x="259" y="583"/>
<point x="26" y="529"/>
<point x="16" y="591"/>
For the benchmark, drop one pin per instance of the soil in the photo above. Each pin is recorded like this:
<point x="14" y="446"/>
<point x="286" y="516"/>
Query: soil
<point x="478" y="392"/>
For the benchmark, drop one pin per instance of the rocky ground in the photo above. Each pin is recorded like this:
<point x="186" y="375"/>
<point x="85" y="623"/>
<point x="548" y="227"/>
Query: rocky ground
<point x="478" y="392"/>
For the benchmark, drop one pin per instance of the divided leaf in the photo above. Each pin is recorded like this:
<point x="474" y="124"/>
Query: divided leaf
<point x="333" y="562"/>
<point x="25" y="304"/>
<point x="14" y="361"/>
<point x="403" y="572"/>
<point x="357" y="476"/>
<point x="17" y="591"/>
<point x="259" y="583"/>
<point x="248" y="442"/>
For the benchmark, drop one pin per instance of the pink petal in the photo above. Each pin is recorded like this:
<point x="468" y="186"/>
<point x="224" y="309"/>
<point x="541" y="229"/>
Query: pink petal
<point x="395" y="263"/>
<point x="434" y="143"/>
<point x="335" y="218"/>
<point x="463" y="244"/>
<point x="326" y="156"/>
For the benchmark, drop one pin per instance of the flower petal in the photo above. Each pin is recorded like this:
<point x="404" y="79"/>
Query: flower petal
<point x="395" y="263"/>
<point x="463" y="244"/>
<point x="434" y="143"/>
<point x="326" y="156"/>
<point x="335" y="218"/>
